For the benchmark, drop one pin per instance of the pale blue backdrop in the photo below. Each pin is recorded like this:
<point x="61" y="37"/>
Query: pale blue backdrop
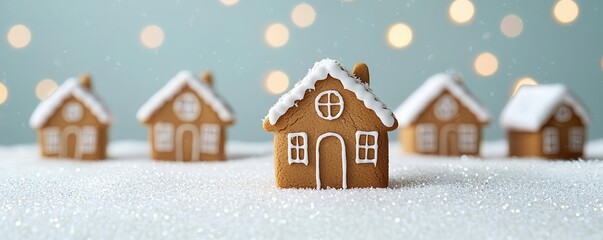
<point x="102" y="38"/>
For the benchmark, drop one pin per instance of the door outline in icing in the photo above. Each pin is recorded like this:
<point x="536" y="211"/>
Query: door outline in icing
<point x="179" y="141"/>
<point x="344" y="181"/>
<point x="444" y="138"/>
<point x="64" y="144"/>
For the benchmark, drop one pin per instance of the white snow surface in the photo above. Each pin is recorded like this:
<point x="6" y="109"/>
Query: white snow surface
<point x="532" y="106"/>
<point x="416" y="103"/>
<point x="71" y="87"/>
<point x="207" y="93"/>
<point x="132" y="197"/>
<point x="318" y="72"/>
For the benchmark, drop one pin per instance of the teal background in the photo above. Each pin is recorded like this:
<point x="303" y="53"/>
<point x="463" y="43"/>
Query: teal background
<point x="102" y="38"/>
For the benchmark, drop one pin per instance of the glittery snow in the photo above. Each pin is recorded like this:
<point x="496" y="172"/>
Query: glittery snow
<point x="131" y="196"/>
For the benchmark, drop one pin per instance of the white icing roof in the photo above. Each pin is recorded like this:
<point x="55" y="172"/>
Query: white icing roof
<point x="533" y="106"/>
<point x="432" y="88"/>
<point x="319" y="72"/>
<point x="71" y="87"/>
<point x="173" y="87"/>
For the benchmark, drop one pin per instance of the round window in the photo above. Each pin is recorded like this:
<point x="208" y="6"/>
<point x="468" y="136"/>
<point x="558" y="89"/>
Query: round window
<point x="563" y="114"/>
<point x="73" y="112"/>
<point x="446" y="108"/>
<point x="329" y="105"/>
<point x="187" y="107"/>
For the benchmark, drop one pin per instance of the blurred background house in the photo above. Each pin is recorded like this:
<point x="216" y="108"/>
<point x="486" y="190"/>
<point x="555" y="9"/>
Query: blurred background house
<point x="259" y="49"/>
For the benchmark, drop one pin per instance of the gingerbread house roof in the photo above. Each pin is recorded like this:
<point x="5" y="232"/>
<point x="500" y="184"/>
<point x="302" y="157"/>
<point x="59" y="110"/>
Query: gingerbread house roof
<point x="71" y="87"/>
<point x="174" y="86"/>
<point x="533" y="106"/>
<point x="319" y="72"/>
<point x="431" y="89"/>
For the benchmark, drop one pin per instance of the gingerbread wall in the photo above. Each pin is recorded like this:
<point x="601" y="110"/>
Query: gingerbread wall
<point x="304" y="118"/>
<point x="88" y="119"/>
<point x="407" y="134"/>
<point x="528" y="144"/>
<point x="166" y="114"/>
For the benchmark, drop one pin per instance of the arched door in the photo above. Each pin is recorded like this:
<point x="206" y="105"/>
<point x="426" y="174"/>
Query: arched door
<point x="69" y="143"/>
<point x="329" y="161"/>
<point x="187" y="145"/>
<point x="449" y="141"/>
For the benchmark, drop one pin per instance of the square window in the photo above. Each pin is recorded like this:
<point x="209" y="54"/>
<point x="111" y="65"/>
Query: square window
<point x="576" y="139"/>
<point x="467" y="134"/>
<point x="366" y="147"/>
<point x="210" y="138"/>
<point x="88" y="140"/>
<point x="298" y="149"/>
<point x="426" y="137"/>
<point x="550" y="140"/>
<point x="164" y="137"/>
<point x="51" y="140"/>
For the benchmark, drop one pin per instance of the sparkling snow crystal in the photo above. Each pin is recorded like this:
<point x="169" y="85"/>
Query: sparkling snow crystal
<point x="130" y="196"/>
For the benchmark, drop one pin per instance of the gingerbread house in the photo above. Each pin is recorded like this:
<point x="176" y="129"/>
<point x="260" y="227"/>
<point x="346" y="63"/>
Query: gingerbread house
<point x="442" y="118"/>
<point x="545" y="121"/>
<point x="187" y="120"/>
<point x="330" y="130"/>
<point x="72" y="122"/>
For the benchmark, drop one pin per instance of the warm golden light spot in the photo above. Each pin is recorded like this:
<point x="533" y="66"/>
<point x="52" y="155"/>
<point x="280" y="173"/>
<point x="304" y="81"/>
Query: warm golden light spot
<point x="277" y="35"/>
<point x="19" y="36"/>
<point x="486" y="64"/>
<point x="601" y="63"/>
<point x="276" y="82"/>
<point x="3" y="93"/>
<point x="229" y="2"/>
<point x="152" y="36"/>
<point x="399" y="35"/>
<point x="525" y="81"/>
<point x="303" y="15"/>
<point x="45" y="88"/>
<point x="511" y="26"/>
<point x="461" y="11"/>
<point x="566" y="11"/>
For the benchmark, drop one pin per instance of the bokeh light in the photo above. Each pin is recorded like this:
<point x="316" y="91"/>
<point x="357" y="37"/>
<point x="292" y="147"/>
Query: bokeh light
<point x="461" y="11"/>
<point x="277" y="35"/>
<point x="45" y="88"/>
<point x="19" y="36"/>
<point x="152" y="36"/>
<point x="3" y="93"/>
<point x="566" y="11"/>
<point x="303" y="15"/>
<point x="399" y="35"/>
<point x="486" y="64"/>
<point x="229" y="2"/>
<point x="276" y="82"/>
<point x="525" y="81"/>
<point x="601" y="63"/>
<point x="511" y="26"/>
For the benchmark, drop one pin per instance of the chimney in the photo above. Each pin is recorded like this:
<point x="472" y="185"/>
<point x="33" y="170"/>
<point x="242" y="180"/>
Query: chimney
<point x="207" y="78"/>
<point x="86" y="81"/>
<point x="361" y="72"/>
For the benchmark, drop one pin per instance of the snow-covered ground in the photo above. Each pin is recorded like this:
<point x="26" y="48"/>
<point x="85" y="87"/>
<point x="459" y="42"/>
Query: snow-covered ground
<point x="130" y="196"/>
